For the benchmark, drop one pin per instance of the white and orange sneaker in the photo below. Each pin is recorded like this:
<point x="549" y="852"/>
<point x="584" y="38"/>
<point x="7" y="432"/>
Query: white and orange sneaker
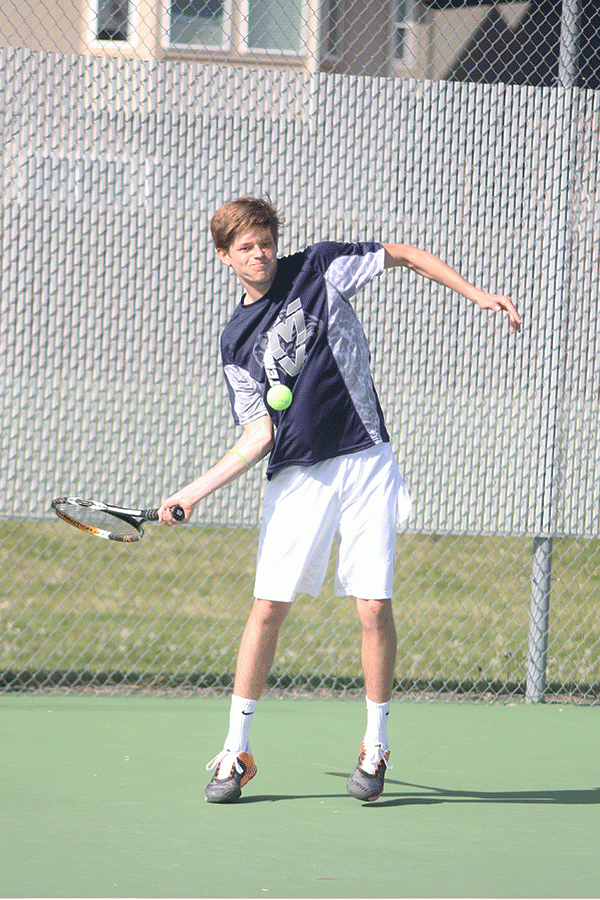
<point x="233" y="772"/>
<point x="366" y="782"/>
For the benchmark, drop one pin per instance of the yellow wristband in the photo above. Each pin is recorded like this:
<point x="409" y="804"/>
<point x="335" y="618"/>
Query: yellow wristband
<point x="243" y="459"/>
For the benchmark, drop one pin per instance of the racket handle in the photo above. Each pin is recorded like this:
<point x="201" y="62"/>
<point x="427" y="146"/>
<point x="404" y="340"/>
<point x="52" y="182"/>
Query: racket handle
<point x="152" y="514"/>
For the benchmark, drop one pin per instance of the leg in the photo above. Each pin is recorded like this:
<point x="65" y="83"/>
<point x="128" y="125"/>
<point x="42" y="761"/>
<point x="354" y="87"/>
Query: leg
<point x="235" y="765"/>
<point x="378" y="649"/>
<point x="257" y="647"/>
<point x="378" y="661"/>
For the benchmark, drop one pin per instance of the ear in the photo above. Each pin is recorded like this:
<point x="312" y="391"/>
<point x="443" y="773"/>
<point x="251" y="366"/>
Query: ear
<point x="223" y="256"/>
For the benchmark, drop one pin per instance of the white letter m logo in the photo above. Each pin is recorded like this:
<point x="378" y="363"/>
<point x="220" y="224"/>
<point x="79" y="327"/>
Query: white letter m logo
<point x="287" y="341"/>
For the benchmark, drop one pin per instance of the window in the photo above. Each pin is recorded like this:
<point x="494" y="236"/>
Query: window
<point x="197" y="22"/>
<point x="400" y="28"/>
<point x="274" y="25"/>
<point x="113" y="20"/>
<point x="410" y="17"/>
<point x="333" y="28"/>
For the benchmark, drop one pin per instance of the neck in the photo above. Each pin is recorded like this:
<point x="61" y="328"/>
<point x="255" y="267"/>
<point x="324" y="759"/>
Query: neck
<point x="251" y="296"/>
<point x="255" y="292"/>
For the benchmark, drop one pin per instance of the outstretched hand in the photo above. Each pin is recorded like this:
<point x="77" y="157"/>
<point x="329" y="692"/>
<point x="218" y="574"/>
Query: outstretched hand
<point x="164" y="513"/>
<point x="498" y="303"/>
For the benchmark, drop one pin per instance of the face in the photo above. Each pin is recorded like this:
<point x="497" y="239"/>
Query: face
<point x="253" y="258"/>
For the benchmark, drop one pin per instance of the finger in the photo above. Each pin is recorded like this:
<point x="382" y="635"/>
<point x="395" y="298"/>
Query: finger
<point x="515" y="324"/>
<point x="164" y="514"/>
<point x="515" y="318"/>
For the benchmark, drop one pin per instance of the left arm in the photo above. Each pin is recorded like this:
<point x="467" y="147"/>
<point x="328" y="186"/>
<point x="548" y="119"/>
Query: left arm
<point x="431" y="267"/>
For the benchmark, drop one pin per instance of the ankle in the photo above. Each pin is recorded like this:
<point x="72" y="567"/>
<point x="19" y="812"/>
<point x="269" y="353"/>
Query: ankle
<point x="377" y="719"/>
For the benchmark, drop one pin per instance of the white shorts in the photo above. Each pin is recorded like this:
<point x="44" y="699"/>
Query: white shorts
<point x="357" y="499"/>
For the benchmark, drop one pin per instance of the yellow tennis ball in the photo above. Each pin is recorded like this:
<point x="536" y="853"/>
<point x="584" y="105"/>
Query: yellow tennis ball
<point x="279" y="396"/>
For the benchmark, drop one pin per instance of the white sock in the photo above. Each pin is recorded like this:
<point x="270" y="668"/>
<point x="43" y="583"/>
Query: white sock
<point x="240" y="719"/>
<point x="377" y="718"/>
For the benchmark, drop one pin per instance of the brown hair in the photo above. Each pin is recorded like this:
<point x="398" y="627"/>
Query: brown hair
<point x="240" y="215"/>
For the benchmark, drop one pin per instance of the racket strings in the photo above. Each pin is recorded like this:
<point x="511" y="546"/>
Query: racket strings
<point x="93" y="520"/>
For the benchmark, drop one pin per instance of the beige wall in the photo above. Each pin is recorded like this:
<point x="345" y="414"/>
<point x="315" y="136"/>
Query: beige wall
<point x="42" y="26"/>
<point x="450" y="30"/>
<point x="366" y="39"/>
<point x="66" y="26"/>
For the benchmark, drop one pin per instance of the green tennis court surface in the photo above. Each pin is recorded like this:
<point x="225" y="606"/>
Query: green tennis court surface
<point x="103" y="797"/>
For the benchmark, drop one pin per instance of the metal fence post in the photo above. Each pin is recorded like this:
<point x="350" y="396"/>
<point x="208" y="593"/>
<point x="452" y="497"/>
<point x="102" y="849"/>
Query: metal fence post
<point x="552" y="437"/>
<point x="568" y="56"/>
<point x="541" y="577"/>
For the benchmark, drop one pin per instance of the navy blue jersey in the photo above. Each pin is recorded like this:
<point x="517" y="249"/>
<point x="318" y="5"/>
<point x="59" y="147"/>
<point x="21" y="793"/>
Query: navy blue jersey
<point x="306" y="335"/>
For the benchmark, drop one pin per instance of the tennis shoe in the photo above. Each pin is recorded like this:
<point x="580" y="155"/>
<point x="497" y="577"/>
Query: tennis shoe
<point x="366" y="782"/>
<point x="233" y="772"/>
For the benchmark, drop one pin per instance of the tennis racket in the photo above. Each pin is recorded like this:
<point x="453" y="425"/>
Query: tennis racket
<point x="114" y="523"/>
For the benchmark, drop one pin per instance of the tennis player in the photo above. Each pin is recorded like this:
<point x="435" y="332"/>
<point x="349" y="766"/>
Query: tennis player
<point x="331" y="472"/>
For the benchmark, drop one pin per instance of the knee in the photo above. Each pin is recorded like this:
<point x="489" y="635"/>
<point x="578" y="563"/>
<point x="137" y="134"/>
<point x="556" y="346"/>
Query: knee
<point x="375" y="615"/>
<point x="270" y="612"/>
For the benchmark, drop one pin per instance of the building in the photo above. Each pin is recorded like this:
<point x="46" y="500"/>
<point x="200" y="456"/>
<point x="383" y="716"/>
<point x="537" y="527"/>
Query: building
<point x="465" y="40"/>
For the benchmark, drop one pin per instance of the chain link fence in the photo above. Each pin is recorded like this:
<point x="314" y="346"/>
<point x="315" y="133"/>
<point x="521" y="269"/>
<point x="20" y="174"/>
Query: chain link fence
<point x="537" y="43"/>
<point x="468" y="129"/>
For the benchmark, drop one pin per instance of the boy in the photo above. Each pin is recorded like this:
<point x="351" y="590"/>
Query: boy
<point x="331" y="472"/>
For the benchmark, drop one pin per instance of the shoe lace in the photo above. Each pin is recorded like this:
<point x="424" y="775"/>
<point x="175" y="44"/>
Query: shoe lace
<point x="378" y="755"/>
<point x="216" y="760"/>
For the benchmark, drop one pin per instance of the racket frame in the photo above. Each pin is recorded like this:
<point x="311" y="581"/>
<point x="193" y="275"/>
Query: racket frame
<point x="133" y="517"/>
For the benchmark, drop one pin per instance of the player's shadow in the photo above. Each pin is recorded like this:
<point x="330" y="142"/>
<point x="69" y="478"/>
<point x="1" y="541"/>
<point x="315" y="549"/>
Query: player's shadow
<point x="425" y="795"/>
<point x="275" y="798"/>
<point x="422" y="795"/>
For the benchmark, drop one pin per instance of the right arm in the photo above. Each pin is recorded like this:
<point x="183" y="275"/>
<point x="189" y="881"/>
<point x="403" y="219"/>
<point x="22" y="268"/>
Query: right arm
<point x="255" y="442"/>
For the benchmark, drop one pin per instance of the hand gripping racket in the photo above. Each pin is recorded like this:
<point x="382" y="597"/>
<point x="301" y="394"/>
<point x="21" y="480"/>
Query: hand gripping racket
<point x="110" y="522"/>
